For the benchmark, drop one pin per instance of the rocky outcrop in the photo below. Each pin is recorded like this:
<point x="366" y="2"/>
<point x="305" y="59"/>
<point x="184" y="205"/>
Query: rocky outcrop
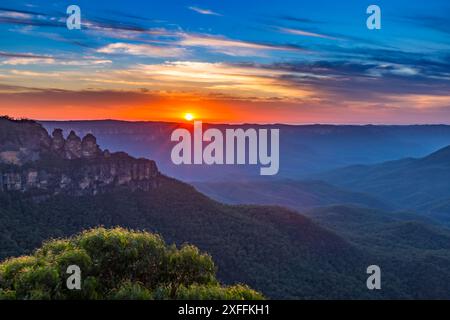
<point x="72" y="146"/>
<point x="78" y="178"/>
<point x="21" y="141"/>
<point x="73" y="165"/>
<point x="89" y="147"/>
<point x="58" y="142"/>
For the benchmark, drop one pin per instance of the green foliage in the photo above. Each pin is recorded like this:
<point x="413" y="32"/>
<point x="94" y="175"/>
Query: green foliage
<point x="37" y="282"/>
<point x="187" y="266"/>
<point x="273" y="250"/>
<point x="7" y="294"/>
<point x="115" y="264"/>
<point x="132" y="291"/>
<point x="236" y="292"/>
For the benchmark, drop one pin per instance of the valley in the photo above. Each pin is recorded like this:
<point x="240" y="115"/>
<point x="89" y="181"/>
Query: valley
<point x="288" y="238"/>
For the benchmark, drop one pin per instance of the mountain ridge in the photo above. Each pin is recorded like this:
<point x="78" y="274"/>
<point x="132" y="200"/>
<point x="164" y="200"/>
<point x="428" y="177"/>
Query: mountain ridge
<point x="295" y="194"/>
<point x="419" y="184"/>
<point x="304" y="149"/>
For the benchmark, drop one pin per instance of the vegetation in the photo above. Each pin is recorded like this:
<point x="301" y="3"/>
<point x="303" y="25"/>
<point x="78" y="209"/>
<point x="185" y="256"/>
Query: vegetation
<point x="275" y="251"/>
<point x="298" y="195"/>
<point x="417" y="184"/>
<point x="19" y="120"/>
<point x="116" y="264"/>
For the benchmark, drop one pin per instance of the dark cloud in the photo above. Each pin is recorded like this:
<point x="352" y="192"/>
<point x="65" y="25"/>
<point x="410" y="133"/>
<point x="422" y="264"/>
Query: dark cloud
<point x="31" y="22"/>
<point x="11" y="55"/>
<point x="48" y="97"/>
<point x="104" y="23"/>
<point x="27" y="12"/>
<point x="57" y="20"/>
<point x="131" y="16"/>
<point x="31" y="18"/>
<point x="364" y="80"/>
<point x="288" y="46"/>
<point x="13" y="88"/>
<point x="22" y="55"/>
<point x="431" y="65"/>
<point x="298" y="19"/>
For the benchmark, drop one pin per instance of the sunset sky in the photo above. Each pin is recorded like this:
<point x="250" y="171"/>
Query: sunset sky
<point x="227" y="61"/>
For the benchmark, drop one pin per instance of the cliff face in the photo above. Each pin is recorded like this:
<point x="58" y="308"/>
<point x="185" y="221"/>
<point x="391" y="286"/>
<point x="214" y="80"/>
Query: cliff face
<point x="21" y="141"/>
<point x="32" y="161"/>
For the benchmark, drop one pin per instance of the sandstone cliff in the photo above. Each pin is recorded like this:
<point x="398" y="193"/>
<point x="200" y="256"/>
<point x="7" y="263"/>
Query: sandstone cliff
<point x="32" y="161"/>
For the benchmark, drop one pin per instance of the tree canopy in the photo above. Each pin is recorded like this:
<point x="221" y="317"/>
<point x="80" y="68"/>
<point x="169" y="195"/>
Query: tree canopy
<point x="116" y="264"/>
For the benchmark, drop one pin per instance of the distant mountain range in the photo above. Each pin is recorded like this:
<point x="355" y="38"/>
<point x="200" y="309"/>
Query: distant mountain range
<point x="319" y="252"/>
<point x="419" y="184"/>
<point x="295" y="194"/>
<point x="304" y="149"/>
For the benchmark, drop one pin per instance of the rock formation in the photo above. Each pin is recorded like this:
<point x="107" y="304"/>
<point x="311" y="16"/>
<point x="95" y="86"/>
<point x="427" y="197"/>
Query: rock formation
<point x="75" y="166"/>
<point x="21" y="141"/>
<point x="58" y="142"/>
<point x="89" y="147"/>
<point x="72" y="147"/>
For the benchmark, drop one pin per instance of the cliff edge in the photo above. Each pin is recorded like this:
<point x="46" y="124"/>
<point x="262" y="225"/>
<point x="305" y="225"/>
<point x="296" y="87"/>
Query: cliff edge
<point x="33" y="161"/>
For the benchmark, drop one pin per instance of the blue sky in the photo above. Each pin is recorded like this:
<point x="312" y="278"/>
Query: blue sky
<point x="290" y="61"/>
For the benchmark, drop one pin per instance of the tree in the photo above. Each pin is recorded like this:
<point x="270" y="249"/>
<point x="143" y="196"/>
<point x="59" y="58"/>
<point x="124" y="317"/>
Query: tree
<point x="116" y="264"/>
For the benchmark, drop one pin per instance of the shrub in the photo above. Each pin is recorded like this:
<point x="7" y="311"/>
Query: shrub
<point x="116" y="264"/>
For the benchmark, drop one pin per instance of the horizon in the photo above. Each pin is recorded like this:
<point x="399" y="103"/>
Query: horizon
<point x="247" y="123"/>
<point x="293" y="62"/>
<point x="230" y="123"/>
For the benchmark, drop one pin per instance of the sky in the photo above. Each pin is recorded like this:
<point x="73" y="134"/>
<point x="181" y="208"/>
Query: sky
<point x="227" y="61"/>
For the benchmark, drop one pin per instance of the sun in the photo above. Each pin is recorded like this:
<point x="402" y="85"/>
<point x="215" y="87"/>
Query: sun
<point x="189" y="116"/>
